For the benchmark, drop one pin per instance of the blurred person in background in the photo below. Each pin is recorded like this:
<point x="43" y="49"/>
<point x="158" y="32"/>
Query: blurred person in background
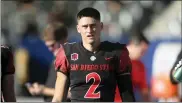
<point x="7" y="75"/>
<point x="54" y="35"/>
<point x="32" y="58"/>
<point x="17" y="21"/>
<point x="137" y="47"/>
<point x="173" y="71"/>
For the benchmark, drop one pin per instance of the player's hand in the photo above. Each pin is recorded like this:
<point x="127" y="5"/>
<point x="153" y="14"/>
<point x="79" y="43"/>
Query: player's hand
<point x="35" y="88"/>
<point x="38" y="88"/>
<point x="30" y="88"/>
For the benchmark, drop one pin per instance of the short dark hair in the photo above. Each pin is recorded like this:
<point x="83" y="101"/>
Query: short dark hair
<point x="88" y="12"/>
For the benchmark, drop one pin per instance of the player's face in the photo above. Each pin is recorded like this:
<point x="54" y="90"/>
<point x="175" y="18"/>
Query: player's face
<point x="50" y="44"/>
<point x="90" y="29"/>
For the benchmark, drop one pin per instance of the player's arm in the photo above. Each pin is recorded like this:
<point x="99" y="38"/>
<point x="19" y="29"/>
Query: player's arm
<point x="61" y="86"/>
<point x="8" y="80"/>
<point x="124" y="77"/>
<point x="21" y="63"/>
<point x="48" y="91"/>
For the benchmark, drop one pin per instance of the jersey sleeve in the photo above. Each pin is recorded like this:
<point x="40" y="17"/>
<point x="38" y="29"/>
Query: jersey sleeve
<point x="61" y="62"/>
<point x="125" y="65"/>
<point x="123" y="76"/>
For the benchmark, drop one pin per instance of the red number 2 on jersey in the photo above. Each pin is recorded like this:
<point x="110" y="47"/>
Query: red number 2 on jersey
<point x="91" y="91"/>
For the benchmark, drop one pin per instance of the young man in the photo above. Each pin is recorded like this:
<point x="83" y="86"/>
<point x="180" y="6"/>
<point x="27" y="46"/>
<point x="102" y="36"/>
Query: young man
<point x="7" y="75"/>
<point x="92" y="68"/>
<point x="53" y="35"/>
<point x="137" y="47"/>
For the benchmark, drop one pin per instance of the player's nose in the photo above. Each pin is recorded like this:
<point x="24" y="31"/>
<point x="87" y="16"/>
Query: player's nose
<point x="90" y="29"/>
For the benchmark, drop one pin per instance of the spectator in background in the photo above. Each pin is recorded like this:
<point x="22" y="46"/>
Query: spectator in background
<point x="53" y="35"/>
<point x="17" y="21"/>
<point x="32" y="59"/>
<point x="7" y="75"/>
<point x="137" y="46"/>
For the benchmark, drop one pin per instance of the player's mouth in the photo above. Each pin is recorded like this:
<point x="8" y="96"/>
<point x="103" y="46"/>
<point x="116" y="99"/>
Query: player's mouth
<point x="90" y="36"/>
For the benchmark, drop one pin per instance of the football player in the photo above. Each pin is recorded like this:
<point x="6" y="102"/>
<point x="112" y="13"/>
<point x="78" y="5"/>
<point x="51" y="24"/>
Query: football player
<point x="92" y="68"/>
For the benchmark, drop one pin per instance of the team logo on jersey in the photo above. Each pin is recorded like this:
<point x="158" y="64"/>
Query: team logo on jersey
<point x="92" y="58"/>
<point x="74" y="56"/>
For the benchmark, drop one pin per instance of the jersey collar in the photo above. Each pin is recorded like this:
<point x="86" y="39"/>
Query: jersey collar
<point x="89" y="52"/>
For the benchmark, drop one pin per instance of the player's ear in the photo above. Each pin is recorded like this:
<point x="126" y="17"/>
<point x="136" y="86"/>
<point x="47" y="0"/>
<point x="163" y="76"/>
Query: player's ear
<point x="101" y="24"/>
<point x="78" y="29"/>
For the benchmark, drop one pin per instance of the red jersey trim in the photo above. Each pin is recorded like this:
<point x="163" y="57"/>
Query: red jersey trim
<point x="61" y="62"/>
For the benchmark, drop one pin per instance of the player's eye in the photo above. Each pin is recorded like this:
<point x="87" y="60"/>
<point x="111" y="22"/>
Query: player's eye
<point x="85" y="26"/>
<point x="93" y="25"/>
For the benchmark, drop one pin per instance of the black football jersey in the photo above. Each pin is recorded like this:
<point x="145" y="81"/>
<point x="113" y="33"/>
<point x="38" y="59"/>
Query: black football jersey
<point x="93" y="75"/>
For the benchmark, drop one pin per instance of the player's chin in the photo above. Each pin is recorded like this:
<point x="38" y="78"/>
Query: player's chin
<point x="90" y="41"/>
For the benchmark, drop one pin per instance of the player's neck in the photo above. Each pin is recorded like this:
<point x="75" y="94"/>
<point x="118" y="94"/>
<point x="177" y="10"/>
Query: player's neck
<point x="92" y="47"/>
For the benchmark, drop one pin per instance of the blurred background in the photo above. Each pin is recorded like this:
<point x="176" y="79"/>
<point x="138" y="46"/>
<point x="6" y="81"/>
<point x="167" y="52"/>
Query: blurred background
<point x="159" y="21"/>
